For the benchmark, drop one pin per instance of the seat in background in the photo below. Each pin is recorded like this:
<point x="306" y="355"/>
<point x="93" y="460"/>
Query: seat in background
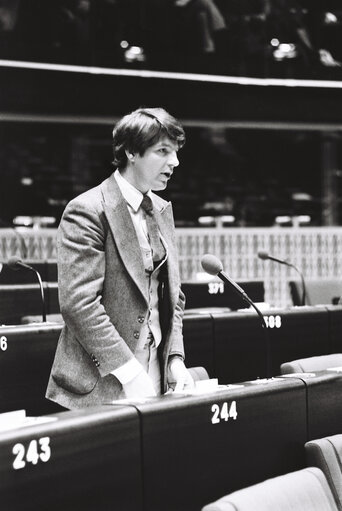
<point x="318" y="291"/>
<point x="326" y="454"/>
<point x="310" y="364"/>
<point x="198" y="373"/>
<point x="303" y="490"/>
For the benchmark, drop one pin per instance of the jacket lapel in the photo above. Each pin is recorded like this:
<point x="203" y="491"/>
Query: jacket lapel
<point x="165" y="222"/>
<point x="123" y="231"/>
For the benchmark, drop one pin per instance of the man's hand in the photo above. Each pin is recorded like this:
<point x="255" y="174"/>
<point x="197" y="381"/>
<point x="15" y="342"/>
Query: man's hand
<point x="140" y="386"/>
<point x="178" y="374"/>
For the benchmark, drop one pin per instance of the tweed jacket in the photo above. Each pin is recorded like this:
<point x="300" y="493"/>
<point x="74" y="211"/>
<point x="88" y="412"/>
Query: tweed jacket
<point x="103" y="294"/>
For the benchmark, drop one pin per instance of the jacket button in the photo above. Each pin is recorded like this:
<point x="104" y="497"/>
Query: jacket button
<point x="97" y="364"/>
<point x="136" y="335"/>
<point x="141" y="319"/>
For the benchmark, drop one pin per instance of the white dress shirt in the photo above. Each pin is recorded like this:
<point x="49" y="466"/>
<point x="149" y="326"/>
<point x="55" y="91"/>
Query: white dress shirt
<point x="133" y="198"/>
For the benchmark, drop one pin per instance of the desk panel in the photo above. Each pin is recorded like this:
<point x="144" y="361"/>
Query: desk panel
<point x="86" y="460"/>
<point x="22" y="276"/>
<point x="26" y="356"/>
<point x="20" y="300"/>
<point x="298" y="332"/>
<point x="240" y="342"/>
<point x="335" y="322"/>
<point x="240" y="347"/>
<point x="219" y="294"/>
<point x="324" y="403"/>
<point x="199" y="341"/>
<point x="203" y="452"/>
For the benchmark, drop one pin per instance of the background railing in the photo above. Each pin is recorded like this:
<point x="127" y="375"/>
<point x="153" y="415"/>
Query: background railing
<point x="317" y="252"/>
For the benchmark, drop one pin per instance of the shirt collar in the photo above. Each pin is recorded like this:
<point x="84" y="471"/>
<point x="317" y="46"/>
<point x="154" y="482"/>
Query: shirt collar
<point x="132" y="195"/>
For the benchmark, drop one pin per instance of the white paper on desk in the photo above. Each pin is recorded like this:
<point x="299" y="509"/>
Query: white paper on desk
<point x="18" y="419"/>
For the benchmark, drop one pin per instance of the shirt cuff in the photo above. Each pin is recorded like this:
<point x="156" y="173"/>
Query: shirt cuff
<point x="128" y="371"/>
<point x="175" y="357"/>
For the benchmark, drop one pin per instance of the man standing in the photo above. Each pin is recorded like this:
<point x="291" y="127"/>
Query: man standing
<point x="118" y="276"/>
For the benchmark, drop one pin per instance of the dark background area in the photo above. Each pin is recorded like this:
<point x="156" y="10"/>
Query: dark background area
<point x="263" y="113"/>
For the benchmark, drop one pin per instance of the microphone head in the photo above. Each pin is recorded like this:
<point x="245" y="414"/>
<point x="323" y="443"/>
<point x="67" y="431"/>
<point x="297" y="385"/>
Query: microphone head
<point x="211" y="264"/>
<point x="13" y="262"/>
<point x="263" y="255"/>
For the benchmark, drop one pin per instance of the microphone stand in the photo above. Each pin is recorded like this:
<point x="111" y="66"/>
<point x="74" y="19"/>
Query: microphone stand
<point x="238" y="290"/>
<point x="271" y="258"/>
<point x="41" y="294"/>
<point x="15" y="264"/>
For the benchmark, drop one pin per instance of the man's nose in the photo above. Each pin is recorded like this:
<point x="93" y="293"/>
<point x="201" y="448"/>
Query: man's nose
<point x="173" y="160"/>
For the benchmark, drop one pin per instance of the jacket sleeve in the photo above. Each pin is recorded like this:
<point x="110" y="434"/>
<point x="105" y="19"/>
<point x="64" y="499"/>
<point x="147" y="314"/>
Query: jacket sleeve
<point x="177" y="345"/>
<point x="176" y="334"/>
<point x="81" y="271"/>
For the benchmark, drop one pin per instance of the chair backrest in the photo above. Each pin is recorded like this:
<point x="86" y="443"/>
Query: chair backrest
<point x="326" y="454"/>
<point x="303" y="490"/>
<point x="318" y="291"/>
<point x="198" y="373"/>
<point x="309" y="364"/>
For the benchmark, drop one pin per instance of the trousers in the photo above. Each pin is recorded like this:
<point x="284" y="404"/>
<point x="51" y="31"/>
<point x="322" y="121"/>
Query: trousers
<point x="147" y="355"/>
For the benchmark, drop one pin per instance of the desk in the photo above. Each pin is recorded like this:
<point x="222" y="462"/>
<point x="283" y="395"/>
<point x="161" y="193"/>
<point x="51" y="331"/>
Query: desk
<point x="26" y="356"/>
<point x="324" y="403"/>
<point x="219" y="294"/>
<point x="198" y="332"/>
<point x="85" y="460"/>
<point x="20" y="300"/>
<point x="194" y="452"/>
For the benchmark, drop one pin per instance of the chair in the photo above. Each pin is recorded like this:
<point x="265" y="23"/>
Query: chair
<point x="304" y="365"/>
<point x="318" y="291"/>
<point x="198" y="373"/>
<point x="326" y="454"/>
<point x="303" y="490"/>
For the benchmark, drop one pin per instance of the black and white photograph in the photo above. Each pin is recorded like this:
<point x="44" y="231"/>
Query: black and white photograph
<point x="170" y="255"/>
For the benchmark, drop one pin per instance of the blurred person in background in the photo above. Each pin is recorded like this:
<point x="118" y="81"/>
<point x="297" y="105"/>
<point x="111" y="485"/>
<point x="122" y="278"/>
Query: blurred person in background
<point x="118" y="277"/>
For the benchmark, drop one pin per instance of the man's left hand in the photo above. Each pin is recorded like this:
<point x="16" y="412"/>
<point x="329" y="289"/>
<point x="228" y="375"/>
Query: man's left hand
<point x="178" y="374"/>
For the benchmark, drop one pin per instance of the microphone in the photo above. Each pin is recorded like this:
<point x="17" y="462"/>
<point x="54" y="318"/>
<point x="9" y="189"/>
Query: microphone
<point x="15" y="264"/>
<point x="265" y="256"/>
<point x="212" y="265"/>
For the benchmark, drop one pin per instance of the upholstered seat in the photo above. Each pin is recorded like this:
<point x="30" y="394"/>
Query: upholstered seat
<point x="318" y="291"/>
<point x="309" y="364"/>
<point x="326" y="453"/>
<point x="198" y="373"/>
<point x="304" y="490"/>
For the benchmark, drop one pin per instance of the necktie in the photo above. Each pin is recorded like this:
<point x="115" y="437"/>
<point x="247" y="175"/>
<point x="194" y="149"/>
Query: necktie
<point x="158" y="250"/>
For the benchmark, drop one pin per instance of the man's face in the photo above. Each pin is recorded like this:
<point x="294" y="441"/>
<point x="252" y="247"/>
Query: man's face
<point x="155" y="167"/>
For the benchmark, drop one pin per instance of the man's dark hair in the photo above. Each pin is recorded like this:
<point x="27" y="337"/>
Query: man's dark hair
<point x="141" y="129"/>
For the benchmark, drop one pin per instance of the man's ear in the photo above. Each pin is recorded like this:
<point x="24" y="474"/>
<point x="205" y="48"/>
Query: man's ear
<point x="130" y="155"/>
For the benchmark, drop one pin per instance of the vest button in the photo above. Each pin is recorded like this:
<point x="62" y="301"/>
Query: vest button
<point x="141" y="319"/>
<point x="136" y="335"/>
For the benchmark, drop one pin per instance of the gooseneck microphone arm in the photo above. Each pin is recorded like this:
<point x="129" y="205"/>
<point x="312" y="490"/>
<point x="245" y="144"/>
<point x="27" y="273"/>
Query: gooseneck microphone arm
<point x="212" y="265"/>
<point x="15" y="264"/>
<point x="238" y="290"/>
<point x="265" y="256"/>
